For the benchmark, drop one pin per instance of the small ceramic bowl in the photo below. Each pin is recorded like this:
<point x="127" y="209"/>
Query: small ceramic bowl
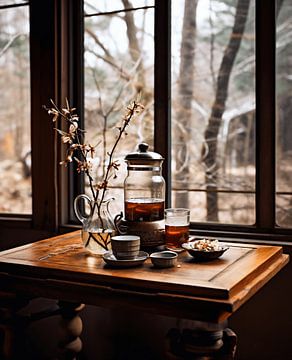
<point x="202" y="255"/>
<point x="164" y="259"/>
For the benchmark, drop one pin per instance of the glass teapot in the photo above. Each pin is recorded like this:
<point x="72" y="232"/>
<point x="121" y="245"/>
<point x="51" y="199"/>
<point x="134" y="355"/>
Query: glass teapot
<point x="144" y="186"/>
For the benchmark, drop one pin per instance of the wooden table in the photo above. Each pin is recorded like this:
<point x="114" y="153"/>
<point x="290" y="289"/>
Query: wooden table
<point x="60" y="268"/>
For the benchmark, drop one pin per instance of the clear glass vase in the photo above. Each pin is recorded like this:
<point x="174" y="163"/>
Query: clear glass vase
<point x="97" y="226"/>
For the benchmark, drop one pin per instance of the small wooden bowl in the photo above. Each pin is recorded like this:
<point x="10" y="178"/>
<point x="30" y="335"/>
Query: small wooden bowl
<point x="164" y="259"/>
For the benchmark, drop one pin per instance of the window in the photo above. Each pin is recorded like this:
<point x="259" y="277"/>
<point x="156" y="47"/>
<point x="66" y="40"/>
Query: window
<point x="15" y="169"/>
<point x="213" y="110"/>
<point x="221" y="166"/>
<point x="78" y="43"/>
<point x="283" y="115"/>
<point x="47" y="58"/>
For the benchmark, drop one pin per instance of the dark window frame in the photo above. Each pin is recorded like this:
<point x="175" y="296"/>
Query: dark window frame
<point x="54" y="75"/>
<point x="18" y="228"/>
<point x="57" y="44"/>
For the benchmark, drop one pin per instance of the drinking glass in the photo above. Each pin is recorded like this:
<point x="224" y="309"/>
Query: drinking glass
<point x="177" y="223"/>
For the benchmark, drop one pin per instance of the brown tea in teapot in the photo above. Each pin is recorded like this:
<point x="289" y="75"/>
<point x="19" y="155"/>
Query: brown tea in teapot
<point x="144" y="209"/>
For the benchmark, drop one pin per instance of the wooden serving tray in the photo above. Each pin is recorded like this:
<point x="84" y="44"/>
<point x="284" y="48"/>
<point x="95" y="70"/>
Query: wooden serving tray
<point x="242" y="268"/>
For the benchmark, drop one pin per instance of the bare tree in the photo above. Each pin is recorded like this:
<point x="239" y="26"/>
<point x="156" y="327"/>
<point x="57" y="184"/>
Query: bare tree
<point x="185" y="97"/>
<point x="134" y="47"/>
<point x="218" y="108"/>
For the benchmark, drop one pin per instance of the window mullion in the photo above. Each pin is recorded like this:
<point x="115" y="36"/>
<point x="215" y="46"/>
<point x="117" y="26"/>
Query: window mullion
<point x="72" y="88"/>
<point x="44" y="65"/>
<point x="265" y="114"/>
<point x="162" y="85"/>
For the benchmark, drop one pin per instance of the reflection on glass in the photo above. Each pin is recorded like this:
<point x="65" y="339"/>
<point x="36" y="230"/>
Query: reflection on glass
<point x="284" y="210"/>
<point x="234" y="208"/>
<point x="119" y="60"/>
<point x="284" y="113"/>
<point x="15" y="172"/>
<point x="213" y="109"/>
<point x="12" y="2"/>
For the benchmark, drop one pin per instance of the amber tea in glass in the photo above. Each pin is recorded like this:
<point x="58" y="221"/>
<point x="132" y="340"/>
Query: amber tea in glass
<point x="177" y="222"/>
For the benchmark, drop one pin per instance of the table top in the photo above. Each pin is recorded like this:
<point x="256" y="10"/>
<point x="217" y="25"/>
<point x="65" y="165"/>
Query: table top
<point x="62" y="268"/>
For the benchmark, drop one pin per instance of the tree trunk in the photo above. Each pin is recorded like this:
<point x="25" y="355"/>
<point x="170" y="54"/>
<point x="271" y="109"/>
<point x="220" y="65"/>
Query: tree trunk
<point x="218" y="108"/>
<point x="139" y="83"/>
<point x="185" y="97"/>
<point x="134" y="46"/>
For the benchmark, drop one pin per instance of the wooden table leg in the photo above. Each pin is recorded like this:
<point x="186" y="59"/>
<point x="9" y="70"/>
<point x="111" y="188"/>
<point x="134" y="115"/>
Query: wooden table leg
<point x="70" y="328"/>
<point x="12" y="325"/>
<point x="203" y="341"/>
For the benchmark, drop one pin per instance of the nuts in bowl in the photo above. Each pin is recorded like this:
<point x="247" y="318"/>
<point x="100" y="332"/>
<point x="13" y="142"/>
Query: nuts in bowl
<point x="204" y="249"/>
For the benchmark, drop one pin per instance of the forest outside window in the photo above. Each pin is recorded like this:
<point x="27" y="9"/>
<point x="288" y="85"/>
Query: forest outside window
<point x="213" y="110"/>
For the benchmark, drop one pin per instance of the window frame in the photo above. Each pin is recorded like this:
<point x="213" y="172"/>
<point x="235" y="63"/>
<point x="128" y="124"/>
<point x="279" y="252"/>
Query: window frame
<point x="19" y="228"/>
<point x="265" y="226"/>
<point x="57" y="44"/>
<point x="54" y="75"/>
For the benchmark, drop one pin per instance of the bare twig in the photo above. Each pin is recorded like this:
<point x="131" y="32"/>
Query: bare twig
<point x="9" y="43"/>
<point x="120" y="11"/>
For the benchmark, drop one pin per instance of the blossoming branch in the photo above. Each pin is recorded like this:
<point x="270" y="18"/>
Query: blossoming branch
<point x="81" y="152"/>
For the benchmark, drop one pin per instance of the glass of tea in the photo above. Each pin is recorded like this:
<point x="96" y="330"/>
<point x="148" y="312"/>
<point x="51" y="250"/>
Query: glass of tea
<point x="177" y="223"/>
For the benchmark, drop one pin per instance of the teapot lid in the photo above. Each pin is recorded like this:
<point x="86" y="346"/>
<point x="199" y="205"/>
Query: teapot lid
<point x="143" y="154"/>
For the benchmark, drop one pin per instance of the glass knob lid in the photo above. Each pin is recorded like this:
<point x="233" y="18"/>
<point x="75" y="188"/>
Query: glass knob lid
<point x="144" y="157"/>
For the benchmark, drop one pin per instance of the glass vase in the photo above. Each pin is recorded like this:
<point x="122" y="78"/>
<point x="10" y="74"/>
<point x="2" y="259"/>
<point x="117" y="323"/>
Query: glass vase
<point x="97" y="226"/>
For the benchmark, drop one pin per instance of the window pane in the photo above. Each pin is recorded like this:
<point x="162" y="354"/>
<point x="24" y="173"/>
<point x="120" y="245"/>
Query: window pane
<point x="284" y="210"/>
<point x="119" y="59"/>
<point x="15" y="174"/>
<point x="213" y="109"/>
<point x="284" y="114"/>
